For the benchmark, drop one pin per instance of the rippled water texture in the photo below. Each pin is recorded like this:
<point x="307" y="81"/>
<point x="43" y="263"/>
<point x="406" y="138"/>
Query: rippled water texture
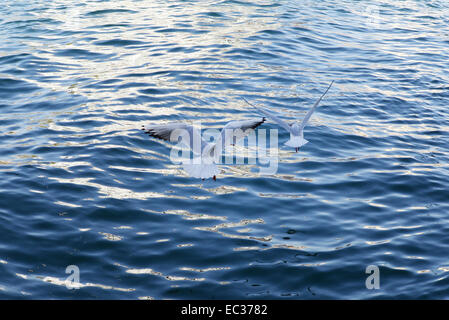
<point x="82" y="185"/>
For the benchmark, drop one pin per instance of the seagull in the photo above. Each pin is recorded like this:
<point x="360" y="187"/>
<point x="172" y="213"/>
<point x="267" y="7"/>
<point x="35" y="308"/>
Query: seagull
<point x="203" y="165"/>
<point x="295" y="129"/>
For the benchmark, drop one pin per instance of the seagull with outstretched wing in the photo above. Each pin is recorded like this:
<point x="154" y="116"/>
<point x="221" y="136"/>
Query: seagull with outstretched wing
<point x="296" y="129"/>
<point x="203" y="166"/>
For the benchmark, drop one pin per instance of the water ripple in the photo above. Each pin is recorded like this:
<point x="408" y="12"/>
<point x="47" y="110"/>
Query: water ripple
<point x="81" y="185"/>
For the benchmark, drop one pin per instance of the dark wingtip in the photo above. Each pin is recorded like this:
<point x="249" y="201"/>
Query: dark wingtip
<point x="258" y="123"/>
<point x="153" y="134"/>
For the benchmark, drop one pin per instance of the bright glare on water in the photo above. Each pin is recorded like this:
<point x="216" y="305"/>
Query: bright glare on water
<point x="82" y="186"/>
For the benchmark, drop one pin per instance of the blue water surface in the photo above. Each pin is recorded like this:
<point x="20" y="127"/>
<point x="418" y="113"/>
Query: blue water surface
<point x="82" y="185"/>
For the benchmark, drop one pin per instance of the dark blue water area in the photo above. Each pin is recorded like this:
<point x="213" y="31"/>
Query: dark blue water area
<point x="82" y="185"/>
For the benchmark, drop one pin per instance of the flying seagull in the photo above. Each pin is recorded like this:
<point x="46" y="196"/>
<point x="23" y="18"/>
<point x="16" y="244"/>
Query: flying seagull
<point x="203" y="165"/>
<point x="295" y="129"/>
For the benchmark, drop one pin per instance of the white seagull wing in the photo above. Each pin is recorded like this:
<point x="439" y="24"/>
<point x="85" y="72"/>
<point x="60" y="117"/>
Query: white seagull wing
<point x="172" y="131"/>
<point x="238" y="130"/>
<point x="270" y="115"/>
<point x="309" y="114"/>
